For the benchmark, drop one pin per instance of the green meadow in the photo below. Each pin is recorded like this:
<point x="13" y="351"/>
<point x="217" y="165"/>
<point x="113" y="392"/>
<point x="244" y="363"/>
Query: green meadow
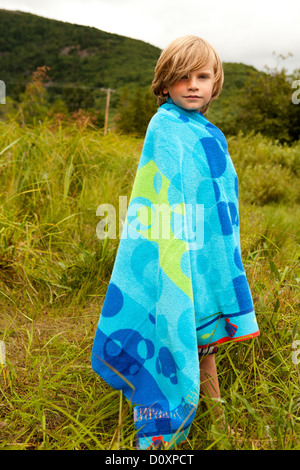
<point x="54" y="272"/>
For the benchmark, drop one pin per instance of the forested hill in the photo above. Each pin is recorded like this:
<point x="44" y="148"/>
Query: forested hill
<point x="75" y="54"/>
<point x="80" y="55"/>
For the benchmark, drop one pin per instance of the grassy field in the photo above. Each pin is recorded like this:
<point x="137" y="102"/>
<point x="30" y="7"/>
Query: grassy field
<point x="54" y="272"/>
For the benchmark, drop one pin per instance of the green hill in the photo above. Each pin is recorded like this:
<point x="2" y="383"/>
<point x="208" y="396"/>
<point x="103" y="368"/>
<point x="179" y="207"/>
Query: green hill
<point x="80" y="55"/>
<point x="76" y="54"/>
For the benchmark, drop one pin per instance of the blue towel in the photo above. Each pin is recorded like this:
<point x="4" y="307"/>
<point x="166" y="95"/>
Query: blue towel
<point x="178" y="281"/>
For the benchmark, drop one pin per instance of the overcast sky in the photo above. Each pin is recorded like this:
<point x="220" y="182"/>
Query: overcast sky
<point x="241" y="31"/>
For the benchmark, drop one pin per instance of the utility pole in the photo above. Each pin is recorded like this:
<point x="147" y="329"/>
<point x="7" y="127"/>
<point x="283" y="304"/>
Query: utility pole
<point x="108" y="92"/>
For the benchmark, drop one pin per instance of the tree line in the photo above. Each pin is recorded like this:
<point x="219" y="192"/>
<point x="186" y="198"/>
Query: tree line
<point x="264" y="104"/>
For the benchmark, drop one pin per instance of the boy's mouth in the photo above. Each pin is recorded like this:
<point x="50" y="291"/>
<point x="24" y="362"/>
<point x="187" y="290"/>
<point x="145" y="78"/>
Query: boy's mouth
<point x="192" y="96"/>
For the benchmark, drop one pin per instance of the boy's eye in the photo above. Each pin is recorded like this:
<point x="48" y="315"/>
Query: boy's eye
<point x="202" y="75"/>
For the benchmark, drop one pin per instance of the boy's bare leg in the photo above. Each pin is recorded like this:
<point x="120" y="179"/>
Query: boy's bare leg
<point x="209" y="388"/>
<point x="210" y="384"/>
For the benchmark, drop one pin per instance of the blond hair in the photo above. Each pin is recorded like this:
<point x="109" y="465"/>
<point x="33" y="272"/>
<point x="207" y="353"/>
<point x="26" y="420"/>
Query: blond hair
<point x="182" y="56"/>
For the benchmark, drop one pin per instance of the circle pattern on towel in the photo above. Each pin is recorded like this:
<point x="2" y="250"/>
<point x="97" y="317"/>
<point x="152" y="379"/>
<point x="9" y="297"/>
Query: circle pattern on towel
<point x="215" y="156"/>
<point x="202" y="263"/>
<point x="113" y="301"/>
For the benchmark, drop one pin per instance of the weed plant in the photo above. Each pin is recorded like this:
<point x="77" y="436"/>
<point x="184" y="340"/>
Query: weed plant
<point x="54" y="272"/>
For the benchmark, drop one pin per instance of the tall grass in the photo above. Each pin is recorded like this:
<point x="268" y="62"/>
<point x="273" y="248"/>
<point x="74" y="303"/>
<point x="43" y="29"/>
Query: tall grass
<point x="54" y="273"/>
<point x="53" y="179"/>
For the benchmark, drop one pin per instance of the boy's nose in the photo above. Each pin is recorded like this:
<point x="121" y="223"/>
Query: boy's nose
<point x="192" y="84"/>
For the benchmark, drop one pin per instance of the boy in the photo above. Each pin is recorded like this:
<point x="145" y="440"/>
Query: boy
<point x="178" y="286"/>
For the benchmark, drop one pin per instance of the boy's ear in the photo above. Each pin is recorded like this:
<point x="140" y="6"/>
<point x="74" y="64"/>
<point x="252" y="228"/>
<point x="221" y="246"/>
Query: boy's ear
<point x="165" y="91"/>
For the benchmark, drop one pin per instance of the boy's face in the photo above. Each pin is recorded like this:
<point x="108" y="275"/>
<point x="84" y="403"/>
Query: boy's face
<point x="194" y="91"/>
